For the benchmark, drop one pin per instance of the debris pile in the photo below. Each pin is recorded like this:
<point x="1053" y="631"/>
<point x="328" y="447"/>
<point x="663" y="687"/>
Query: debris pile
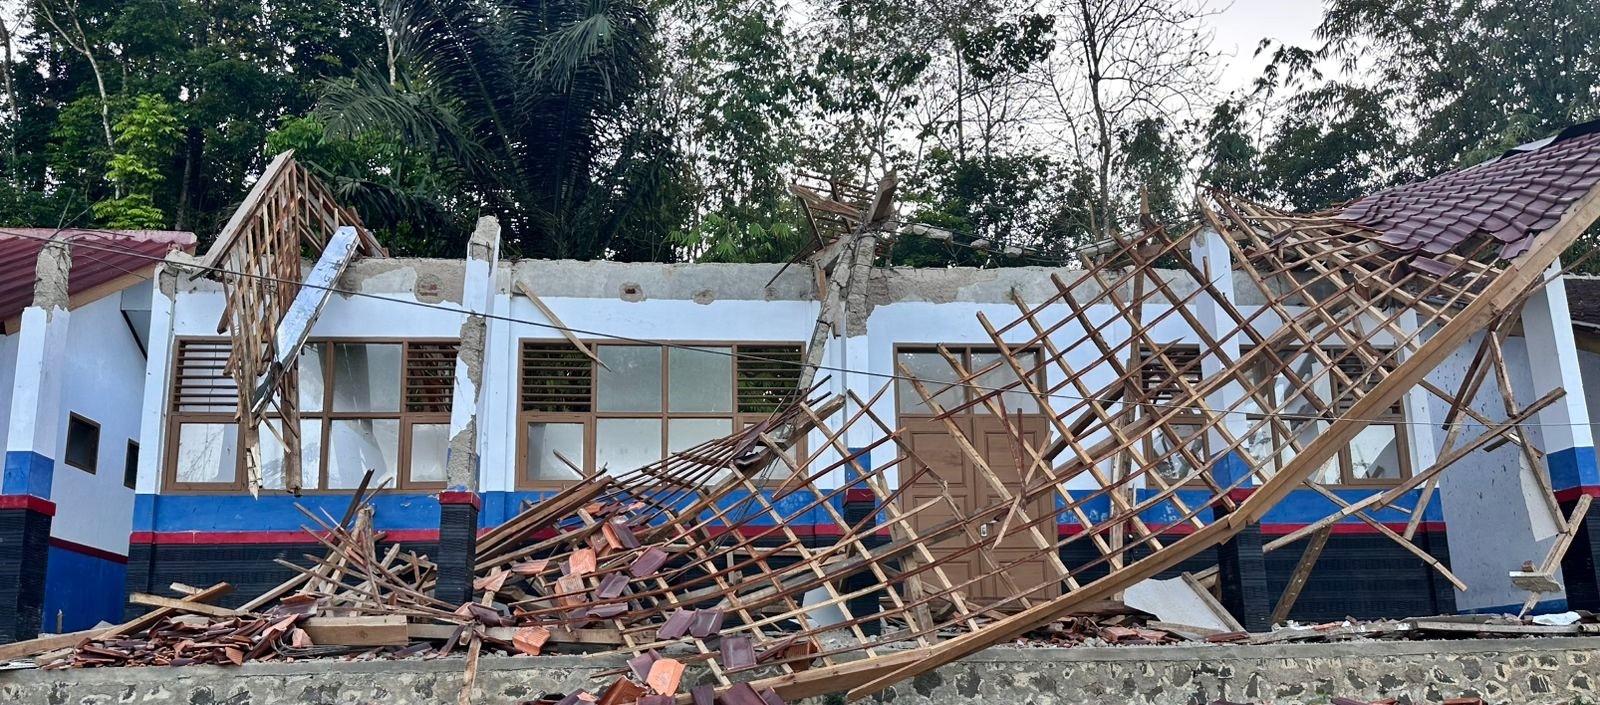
<point x="694" y="561"/>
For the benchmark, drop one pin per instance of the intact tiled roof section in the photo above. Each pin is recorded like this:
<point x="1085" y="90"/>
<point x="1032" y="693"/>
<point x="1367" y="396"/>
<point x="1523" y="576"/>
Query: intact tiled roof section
<point x="1583" y="299"/>
<point x="104" y="256"/>
<point x="1511" y="199"/>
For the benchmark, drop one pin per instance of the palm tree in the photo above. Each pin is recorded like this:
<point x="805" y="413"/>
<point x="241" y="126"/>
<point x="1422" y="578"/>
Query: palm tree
<point x="542" y="106"/>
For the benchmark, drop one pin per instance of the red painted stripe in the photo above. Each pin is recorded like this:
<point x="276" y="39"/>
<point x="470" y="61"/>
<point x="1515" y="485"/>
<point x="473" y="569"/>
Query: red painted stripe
<point x="1281" y="529"/>
<point x="471" y="498"/>
<point x="202" y="538"/>
<point x="89" y="551"/>
<point x="805" y="531"/>
<point x="1571" y="494"/>
<point x="28" y="502"/>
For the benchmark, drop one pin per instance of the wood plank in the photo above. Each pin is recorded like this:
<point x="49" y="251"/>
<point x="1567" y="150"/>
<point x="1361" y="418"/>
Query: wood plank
<point x="44" y="644"/>
<point x="144" y="621"/>
<point x="141" y="598"/>
<point x="34" y="647"/>
<point x="377" y="630"/>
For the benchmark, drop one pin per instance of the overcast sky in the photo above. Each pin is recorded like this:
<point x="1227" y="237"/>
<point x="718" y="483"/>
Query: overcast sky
<point x="1245" y="22"/>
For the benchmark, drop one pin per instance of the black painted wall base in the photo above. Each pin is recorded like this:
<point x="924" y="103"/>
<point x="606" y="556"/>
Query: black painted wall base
<point x="1359" y="575"/>
<point x="24" y="553"/>
<point x="1242" y="580"/>
<point x="857" y="509"/>
<point x="1580" y="568"/>
<point x="249" y="568"/>
<point x="458" y="549"/>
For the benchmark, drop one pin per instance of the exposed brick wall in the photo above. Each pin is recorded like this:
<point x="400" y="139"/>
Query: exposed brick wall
<point x="249" y="568"/>
<point x="24" y="552"/>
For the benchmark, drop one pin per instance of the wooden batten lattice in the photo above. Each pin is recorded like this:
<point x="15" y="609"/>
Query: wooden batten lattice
<point x="258" y="256"/>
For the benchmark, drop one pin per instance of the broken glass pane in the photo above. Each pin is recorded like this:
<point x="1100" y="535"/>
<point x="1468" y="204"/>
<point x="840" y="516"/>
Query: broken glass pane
<point x="633" y="380"/>
<point x="208" y="452"/>
<point x="366" y="377"/>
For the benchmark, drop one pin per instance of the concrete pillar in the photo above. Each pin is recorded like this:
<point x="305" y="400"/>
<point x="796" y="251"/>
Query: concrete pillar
<point x="460" y="503"/>
<point x="1212" y="256"/>
<point x="35" y="421"/>
<point x="1241" y="564"/>
<point x="1564" y="427"/>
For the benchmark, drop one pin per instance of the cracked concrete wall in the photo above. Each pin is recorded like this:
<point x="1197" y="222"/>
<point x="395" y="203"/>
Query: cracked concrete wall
<point x="50" y="276"/>
<point x="1522" y="671"/>
<point x="477" y="293"/>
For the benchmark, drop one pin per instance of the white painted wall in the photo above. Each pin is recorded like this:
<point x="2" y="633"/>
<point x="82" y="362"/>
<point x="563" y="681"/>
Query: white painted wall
<point x="103" y="380"/>
<point x="1489" y="500"/>
<point x="8" y="371"/>
<point x="1488" y="488"/>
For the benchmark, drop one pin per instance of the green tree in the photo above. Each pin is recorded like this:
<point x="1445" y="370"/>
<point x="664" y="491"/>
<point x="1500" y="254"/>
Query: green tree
<point x="145" y="137"/>
<point x="539" y="107"/>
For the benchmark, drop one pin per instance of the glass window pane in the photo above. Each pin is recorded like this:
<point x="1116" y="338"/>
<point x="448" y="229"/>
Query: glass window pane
<point x="207" y="452"/>
<point x="935" y="374"/>
<point x="1375" y="454"/>
<point x="310" y="455"/>
<point x="429" y="444"/>
<point x="633" y="380"/>
<point x="621" y="445"/>
<point x="356" y="445"/>
<point x="311" y="379"/>
<point x="366" y="377"/>
<point x="683" y="434"/>
<point x="544" y="441"/>
<point x="700" y="379"/>
<point x="1003" y="376"/>
<point x="1260" y="447"/>
<point x="1308" y="431"/>
<point x="1177" y="467"/>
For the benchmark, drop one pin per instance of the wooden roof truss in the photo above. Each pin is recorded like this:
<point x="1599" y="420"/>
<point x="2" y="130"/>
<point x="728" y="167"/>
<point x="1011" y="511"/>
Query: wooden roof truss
<point x="287" y="216"/>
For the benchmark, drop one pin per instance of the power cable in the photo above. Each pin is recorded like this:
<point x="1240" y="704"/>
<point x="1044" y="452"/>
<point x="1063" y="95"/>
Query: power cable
<point x="943" y="384"/>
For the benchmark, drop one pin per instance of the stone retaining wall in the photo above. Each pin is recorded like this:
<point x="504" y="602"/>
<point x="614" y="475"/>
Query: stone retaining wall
<point x="1502" y="671"/>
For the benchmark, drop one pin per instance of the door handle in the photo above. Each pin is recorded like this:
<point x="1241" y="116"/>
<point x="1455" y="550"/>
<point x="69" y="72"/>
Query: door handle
<point x="983" y="530"/>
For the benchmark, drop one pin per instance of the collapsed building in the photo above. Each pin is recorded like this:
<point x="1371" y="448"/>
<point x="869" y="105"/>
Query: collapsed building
<point x="832" y="476"/>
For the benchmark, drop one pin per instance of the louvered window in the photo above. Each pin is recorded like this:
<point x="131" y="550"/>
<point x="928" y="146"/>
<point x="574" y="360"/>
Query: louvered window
<point x="430" y="377"/>
<point x="1159" y="378"/>
<point x="556" y="378"/>
<point x="768" y="377"/>
<point x="363" y="405"/>
<point x="641" y="403"/>
<point x="200" y="383"/>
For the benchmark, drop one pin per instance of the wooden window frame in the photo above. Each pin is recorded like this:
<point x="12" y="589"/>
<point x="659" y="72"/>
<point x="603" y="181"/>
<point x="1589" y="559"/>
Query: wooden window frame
<point x="66" y="451"/>
<point x="589" y="419"/>
<point x="406" y="419"/>
<point x="965" y="352"/>
<point x="1394" y="417"/>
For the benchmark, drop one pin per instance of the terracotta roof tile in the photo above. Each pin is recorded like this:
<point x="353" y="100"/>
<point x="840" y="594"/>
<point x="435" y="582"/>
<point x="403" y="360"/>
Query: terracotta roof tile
<point x="1511" y="199"/>
<point x="105" y="256"/>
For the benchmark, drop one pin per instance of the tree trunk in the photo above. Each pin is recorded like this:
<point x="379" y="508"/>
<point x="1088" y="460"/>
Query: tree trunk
<point x="1092" y="56"/>
<point x="191" y="158"/>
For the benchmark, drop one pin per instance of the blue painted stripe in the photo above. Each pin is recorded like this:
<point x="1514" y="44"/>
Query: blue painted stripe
<point x="82" y="590"/>
<point x="1573" y="467"/>
<point x="27" y="472"/>
<point x="1299" y="507"/>
<point x="396" y="511"/>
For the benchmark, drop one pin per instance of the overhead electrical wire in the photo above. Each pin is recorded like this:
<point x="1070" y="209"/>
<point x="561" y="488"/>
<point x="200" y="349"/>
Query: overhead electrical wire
<point x="943" y="384"/>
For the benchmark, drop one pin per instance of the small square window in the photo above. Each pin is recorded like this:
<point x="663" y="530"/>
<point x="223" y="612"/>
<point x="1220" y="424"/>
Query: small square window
<point x="130" y="466"/>
<point x="83" y="443"/>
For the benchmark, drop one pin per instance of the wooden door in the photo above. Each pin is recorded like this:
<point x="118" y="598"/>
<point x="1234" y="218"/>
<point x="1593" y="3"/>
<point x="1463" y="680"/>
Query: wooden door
<point x="931" y="442"/>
